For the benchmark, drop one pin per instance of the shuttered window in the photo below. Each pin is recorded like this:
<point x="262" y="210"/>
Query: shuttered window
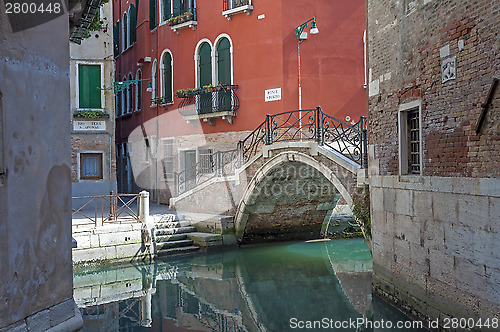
<point x="152" y="14"/>
<point x="125" y="31"/>
<point x="205" y="65"/>
<point x="116" y="38"/>
<point x="90" y="166"/>
<point x="167" y="78"/>
<point x="89" y="84"/>
<point x="224" y="62"/>
<point x="167" y="9"/>
<point x="133" y="24"/>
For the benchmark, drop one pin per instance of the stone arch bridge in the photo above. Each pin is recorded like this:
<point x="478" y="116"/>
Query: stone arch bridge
<point x="283" y="181"/>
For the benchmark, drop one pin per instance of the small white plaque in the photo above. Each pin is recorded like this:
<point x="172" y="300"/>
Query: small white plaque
<point x="272" y="94"/>
<point x="88" y="125"/>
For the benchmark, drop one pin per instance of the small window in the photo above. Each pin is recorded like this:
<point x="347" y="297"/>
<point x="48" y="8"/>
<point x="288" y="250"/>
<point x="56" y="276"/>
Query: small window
<point x="89" y="86"/>
<point x="154" y="79"/>
<point x="130" y="95"/>
<point x="125" y="31"/>
<point x="152" y="14"/>
<point x="168" y="159"/>
<point x="90" y="166"/>
<point x="410" y="138"/>
<point x="124" y="99"/>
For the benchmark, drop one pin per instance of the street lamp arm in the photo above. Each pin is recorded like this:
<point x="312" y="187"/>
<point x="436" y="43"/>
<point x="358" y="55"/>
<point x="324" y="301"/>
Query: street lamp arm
<point x="300" y="28"/>
<point x="122" y="85"/>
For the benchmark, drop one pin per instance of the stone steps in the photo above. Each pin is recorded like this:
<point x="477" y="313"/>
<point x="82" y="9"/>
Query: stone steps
<point x="171" y="236"/>
<point x="178" y="250"/>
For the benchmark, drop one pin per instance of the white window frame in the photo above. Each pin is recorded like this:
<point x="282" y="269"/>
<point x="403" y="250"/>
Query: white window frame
<point x="125" y="40"/>
<point x="404" y="109"/>
<point x="215" y="57"/>
<point x="130" y="94"/>
<point x="154" y="79"/>
<point x="104" y="165"/>
<point x="77" y="83"/>
<point x="236" y="10"/>
<point x="197" y="61"/>
<point x="162" y="74"/>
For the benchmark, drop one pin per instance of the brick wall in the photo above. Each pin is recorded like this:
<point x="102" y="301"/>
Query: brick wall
<point x="406" y="52"/>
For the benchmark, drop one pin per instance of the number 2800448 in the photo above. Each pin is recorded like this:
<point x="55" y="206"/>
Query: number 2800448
<point x="32" y="8"/>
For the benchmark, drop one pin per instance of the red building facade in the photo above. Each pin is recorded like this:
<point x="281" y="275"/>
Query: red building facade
<point x="247" y="53"/>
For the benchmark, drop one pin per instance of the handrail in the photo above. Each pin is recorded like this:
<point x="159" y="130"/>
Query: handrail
<point x="298" y="125"/>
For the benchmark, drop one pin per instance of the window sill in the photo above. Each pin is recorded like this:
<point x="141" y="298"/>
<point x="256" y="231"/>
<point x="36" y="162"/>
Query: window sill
<point x="189" y="24"/>
<point x="242" y="9"/>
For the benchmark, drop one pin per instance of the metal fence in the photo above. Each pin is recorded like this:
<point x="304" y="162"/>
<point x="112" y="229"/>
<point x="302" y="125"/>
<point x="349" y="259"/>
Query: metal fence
<point x="112" y="208"/>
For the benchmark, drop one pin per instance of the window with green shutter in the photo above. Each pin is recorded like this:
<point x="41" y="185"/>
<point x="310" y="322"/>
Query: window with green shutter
<point x="224" y="62"/>
<point x="125" y="32"/>
<point x="167" y="77"/>
<point x="133" y="24"/>
<point x="116" y="38"/>
<point x="89" y="86"/>
<point x="167" y="9"/>
<point x="205" y="77"/>
<point x="152" y="14"/>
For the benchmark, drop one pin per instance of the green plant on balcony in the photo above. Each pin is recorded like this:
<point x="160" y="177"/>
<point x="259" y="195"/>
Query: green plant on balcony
<point x="90" y="114"/>
<point x="183" y="93"/>
<point x="188" y="16"/>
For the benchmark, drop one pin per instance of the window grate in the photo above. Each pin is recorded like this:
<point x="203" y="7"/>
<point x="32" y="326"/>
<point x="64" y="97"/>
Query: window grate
<point x="414" y="141"/>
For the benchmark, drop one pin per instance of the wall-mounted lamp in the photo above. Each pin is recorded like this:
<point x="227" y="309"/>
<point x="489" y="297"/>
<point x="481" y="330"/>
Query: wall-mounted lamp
<point x="300" y="29"/>
<point x="122" y="85"/>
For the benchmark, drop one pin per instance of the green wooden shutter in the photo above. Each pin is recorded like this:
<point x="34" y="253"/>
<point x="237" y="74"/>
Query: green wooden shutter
<point x="177" y="7"/>
<point x="152" y="14"/>
<point x="89" y="83"/>
<point x="133" y="24"/>
<point x="205" y="65"/>
<point x="167" y="9"/>
<point x="224" y="62"/>
<point x="167" y="77"/>
<point x="125" y="31"/>
<point x="116" y="39"/>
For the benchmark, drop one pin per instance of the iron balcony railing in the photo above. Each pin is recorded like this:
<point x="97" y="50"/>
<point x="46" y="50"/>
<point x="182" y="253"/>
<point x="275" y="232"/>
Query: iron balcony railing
<point x="218" y="164"/>
<point x="230" y="4"/>
<point x="186" y="12"/>
<point x="301" y="125"/>
<point x="309" y="125"/>
<point x="222" y="98"/>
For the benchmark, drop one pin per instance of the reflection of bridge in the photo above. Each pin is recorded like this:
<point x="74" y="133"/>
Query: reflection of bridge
<point x="290" y="168"/>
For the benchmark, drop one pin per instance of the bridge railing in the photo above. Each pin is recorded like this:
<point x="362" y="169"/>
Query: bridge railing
<point x="308" y="125"/>
<point x="300" y="125"/>
<point x="218" y="164"/>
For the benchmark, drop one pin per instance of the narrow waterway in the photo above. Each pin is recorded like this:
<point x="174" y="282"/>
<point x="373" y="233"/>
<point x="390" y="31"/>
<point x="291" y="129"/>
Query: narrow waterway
<point x="310" y="286"/>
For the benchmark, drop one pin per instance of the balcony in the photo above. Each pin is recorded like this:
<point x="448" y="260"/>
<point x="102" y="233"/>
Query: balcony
<point x="185" y="18"/>
<point x="209" y="103"/>
<point x="232" y="7"/>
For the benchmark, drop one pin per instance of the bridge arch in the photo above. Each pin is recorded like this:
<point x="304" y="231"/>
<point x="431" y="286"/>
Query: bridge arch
<point x="241" y="216"/>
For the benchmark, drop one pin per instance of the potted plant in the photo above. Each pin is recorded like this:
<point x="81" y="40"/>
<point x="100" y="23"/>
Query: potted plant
<point x="90" y="114"/>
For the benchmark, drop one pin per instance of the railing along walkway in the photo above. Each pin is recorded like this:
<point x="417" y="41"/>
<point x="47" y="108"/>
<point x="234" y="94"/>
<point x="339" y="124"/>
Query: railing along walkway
<point x="112" y="208"/>
<point x="299" y="125"/>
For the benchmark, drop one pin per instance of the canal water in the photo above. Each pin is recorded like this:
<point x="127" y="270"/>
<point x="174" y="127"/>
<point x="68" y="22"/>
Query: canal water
<point x="309" y="286"/>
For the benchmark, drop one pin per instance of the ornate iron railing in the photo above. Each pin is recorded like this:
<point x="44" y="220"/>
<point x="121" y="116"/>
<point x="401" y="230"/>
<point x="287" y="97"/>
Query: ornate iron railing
<point x="300" y="125"/>
<point x="308" y="125"/>
<point x="186" y="12"/>
<point x="218" y="164"/>
<point x="230" y="4"/>
<point x="209" y="100"/>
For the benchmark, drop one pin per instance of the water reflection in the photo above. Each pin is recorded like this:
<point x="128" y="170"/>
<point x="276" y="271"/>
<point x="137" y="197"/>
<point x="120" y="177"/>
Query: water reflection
<point x="261" y="288"/>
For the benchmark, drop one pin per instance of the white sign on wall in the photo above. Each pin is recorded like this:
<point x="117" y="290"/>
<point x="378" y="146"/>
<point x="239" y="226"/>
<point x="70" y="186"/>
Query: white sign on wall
<point x="272" y="94"/>
<point x="89" y="125"/>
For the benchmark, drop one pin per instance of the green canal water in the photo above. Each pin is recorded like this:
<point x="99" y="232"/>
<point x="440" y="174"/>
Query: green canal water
<point x="306" y="286"/>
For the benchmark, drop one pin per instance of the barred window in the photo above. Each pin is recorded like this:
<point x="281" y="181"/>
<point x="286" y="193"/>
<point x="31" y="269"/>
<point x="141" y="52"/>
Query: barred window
<point x="205" y="156"/>
<point x="413" y="141"/>
<point x="410" y="138"/>
<point x="90" y="166"/>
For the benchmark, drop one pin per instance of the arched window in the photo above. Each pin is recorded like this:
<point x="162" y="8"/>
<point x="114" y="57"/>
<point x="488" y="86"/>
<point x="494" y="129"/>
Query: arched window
<point x="125" y="31"/>
<point x="224" y="61"/>
<point x="138" y="90"/>
<point x="205" y="65"/>
<point x="130" y="95"/>
<point x="154" y="79"/>
<point x="224" y="73"/>
<point x="166" y="77"/>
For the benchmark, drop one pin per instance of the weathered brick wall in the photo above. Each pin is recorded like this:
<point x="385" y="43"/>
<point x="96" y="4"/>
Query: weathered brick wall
<point x="93" y="142"/>
<point x="405" y="57"/>
<point x="435" y="236"/>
